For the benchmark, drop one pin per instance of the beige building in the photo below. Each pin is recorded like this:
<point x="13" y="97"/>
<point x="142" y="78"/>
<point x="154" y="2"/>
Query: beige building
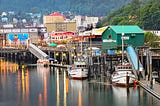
<point x="56" y="22"/>
<point x="61" y="26"/>
<point x="52" y="19"/>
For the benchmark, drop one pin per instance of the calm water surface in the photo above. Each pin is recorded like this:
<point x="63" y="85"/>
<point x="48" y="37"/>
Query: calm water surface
<point x="39" y="86"/>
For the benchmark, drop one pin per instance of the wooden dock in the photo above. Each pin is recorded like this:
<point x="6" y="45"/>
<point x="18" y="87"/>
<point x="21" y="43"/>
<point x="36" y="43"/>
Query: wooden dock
<point x="60" y="65"/>
<point x="52" y="65"/>
<point x="154" y="90"/>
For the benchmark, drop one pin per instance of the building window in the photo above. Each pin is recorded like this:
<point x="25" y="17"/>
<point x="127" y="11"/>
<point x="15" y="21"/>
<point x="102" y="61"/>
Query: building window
<point x="133" y="35"/>
<point x="109" y="36"/>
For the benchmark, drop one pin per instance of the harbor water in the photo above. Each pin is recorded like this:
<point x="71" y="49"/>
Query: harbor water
<point x="45" y="86"/>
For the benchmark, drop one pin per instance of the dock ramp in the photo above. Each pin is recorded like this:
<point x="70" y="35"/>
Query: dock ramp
<point x="37" y="52"/>
<point x="133" y="59"/>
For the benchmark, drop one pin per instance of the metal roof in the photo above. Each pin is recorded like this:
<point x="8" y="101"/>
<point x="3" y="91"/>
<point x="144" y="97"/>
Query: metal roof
<point x="99" y="31"/>
<point x="126" y="29"/>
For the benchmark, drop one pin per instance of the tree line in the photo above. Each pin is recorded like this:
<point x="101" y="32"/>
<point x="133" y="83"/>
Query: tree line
<point x="81" y="7"/>
<point x="144" y="13"/>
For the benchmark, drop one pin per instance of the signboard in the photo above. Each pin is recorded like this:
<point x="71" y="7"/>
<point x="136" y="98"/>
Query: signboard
<point x="24" y="30"/>
<point x="125" y="38"/>
<point x="7" y="30"/>
<point x="109" y="40"/>
<point x="23" y="37"/>
<point x="16" y="30"/>
<point x="33" y="30"/>
<point x="15" y="37"/>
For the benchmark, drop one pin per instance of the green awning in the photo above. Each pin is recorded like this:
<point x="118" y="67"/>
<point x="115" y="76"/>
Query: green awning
<point x="52" y="44"/>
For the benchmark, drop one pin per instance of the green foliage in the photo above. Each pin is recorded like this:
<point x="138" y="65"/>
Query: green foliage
<point x="151" y="40"/>
<point x="82" y="7"/>
<point x="144" y="13"/>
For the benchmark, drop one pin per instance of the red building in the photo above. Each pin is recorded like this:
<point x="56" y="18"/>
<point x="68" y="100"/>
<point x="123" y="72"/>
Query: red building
<point x="58" y="37"/>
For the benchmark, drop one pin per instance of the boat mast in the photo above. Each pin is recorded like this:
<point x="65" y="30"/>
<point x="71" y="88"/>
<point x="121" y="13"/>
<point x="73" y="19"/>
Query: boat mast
<point x="81" y="46"/>
<point x="122" y="47"/>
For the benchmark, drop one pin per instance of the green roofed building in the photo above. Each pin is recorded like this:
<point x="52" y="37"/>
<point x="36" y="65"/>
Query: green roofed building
<point x="111" y="37"/>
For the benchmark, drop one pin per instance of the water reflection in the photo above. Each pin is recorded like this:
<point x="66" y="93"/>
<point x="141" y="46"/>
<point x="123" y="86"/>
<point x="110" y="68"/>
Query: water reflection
<point x="43" y="73"/>
<point x="78" y="91"/>
<point x="25" y="86"/>
<point x="6" y="66"/>
<point x="58" y="90"/>
<point x="41" y="86"/>
<point x="122" y="95"/>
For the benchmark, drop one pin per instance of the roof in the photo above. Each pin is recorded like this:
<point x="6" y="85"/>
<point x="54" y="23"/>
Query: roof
<point x="127" y="29"/>
<point x="98" y="31"/>
<point x="57" y="14"/>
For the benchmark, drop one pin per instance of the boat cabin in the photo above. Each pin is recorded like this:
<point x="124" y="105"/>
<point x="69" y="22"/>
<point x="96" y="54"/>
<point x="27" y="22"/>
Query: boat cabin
<point x="123" y="67"/>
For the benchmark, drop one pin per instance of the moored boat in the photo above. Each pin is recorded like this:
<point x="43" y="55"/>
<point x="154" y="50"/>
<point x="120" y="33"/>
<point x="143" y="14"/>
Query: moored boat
<point x="123" y="76"/>
<point x="79" y="69"/>
<point x="44" y="62"/>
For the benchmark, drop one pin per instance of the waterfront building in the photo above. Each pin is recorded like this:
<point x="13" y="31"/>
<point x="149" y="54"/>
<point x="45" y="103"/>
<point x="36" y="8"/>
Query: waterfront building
<point x="61" y="37"/>
<point x="156" y="32"/>
<point x="111" y="37"/>
<point x="15" y="37"/>
<point x="85" y="21"/>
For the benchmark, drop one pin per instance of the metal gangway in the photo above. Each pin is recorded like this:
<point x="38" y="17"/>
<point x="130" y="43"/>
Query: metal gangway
<point x="37" y="52"/>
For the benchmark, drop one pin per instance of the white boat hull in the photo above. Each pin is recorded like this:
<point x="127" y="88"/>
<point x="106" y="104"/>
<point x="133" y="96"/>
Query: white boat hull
<point x="42" y="62"/>
<point x="123" y="78"/>
<point x="78" y="73"/>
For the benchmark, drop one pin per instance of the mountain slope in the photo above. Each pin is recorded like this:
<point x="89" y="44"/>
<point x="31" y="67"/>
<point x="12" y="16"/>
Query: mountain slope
<point x="144" y="13"/>
<point x="83" y="7"/>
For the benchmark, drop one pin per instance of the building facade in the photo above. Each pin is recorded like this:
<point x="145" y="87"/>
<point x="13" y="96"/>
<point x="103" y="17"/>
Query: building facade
<point x="21" y="36"/>
<point x="56" y="22"/>
<point x="112" y="37"/>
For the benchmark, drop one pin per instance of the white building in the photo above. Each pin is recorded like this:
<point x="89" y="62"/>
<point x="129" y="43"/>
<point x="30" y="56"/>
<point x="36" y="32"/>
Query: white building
<point x="84" y="21"/>
<point x="156" y="32"/>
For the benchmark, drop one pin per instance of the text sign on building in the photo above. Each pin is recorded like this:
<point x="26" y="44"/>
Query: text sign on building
<point x="16" y="37"/>
<point x="125" y="38"/>
<point x="24" y="30"/>
<point x="7" y="30"/>
<point x="15" y="30"/>
<point x="109" y="40"/>
<point x="33" y="30"/>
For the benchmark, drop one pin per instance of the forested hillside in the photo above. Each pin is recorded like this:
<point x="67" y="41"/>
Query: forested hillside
<point x="82" y="7"/>
<point x="145" y="13"/>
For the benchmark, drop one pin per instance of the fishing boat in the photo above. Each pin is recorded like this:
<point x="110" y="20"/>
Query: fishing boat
<point x="43" y="62"/>
<point x="123" y="76"/>
<point x="79" y="69"/>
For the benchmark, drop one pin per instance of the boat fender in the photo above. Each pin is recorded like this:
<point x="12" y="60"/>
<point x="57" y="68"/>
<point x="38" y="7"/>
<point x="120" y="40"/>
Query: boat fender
<point x="135" y="82"/>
